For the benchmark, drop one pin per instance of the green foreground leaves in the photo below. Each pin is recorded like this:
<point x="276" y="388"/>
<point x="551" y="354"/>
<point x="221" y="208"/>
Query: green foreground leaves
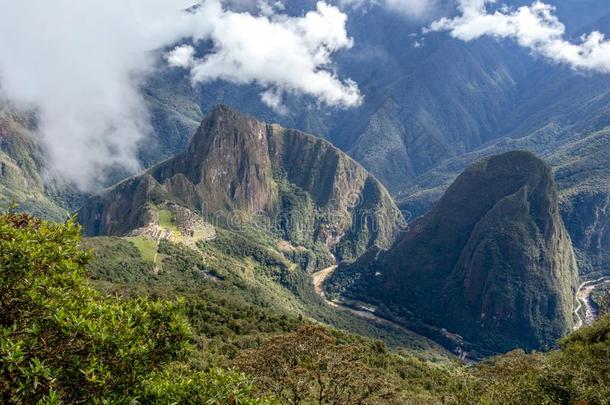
<point x="62" y="341"/>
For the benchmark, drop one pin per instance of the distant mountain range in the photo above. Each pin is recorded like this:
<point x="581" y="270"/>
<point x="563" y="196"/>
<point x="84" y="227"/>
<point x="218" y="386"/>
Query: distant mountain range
<point x="492" y="261"/>
<point x="493" y="252"/>
<point x="433" y="105"/>
<point x="428" y="98"/>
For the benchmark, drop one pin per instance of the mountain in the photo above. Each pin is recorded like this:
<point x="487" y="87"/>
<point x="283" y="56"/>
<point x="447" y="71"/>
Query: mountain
<point x="583" y="175"/>
<point x="22" y="169"/>
<point x="580" y="159"/>
<point x="492" y="261"/>
<point x="416" y="112"/>
<point x="238" y="170"/>
<point x="432" y="106"/>
<point x="427" y="98"/>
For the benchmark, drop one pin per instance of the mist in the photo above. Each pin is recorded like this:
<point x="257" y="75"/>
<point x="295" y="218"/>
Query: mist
<point x="79" y="65"/>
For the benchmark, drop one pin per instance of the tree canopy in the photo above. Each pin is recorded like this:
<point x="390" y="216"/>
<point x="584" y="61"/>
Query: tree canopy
<point x="63" y="341"/>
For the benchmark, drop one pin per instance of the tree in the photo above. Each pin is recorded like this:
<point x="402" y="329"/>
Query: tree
<point x="583" y="363"/>
<point x="577" y="373"/>
<point x="62" y="341"/>
<point x="312" y="364"/>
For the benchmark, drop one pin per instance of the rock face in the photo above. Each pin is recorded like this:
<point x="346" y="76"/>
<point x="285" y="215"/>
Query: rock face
<point x="587" y="216"/>
<point x="236" y="166"/>
<point x="491" y="261"/>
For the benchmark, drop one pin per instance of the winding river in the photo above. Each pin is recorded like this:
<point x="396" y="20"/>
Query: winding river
<point x="583" y="295"/>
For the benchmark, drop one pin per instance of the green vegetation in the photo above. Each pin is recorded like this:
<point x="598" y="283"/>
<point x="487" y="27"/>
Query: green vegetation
<point x="147" y="247"/>
<point x="246" y="275"/>
<point x="166" y="219"/>
<point x="62" y="341"/>
<point x="583" y="176"/>
<point x="577" y="373"/>
<point x="327" y="367"/>
<point x="118" y="259"/>
<point x="21" y="168"/>
<point x="202" y="330"/>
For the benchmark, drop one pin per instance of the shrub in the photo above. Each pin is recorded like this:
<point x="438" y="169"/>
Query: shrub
<point x="62" y="341"/>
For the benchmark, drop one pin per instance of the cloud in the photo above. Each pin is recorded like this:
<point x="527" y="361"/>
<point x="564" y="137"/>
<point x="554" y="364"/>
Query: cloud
<point x="534" y="27"/>
<point x="181" y="56"/>
<point x="279" y="53"/>
<point x="79" y="64"/>
<point x="410" y="8"/>
<point x="416" y="8"/>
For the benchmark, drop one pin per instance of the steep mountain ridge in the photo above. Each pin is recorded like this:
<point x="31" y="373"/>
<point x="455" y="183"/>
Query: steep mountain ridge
<point x="435" y="112"/>
<point x="240" y="169"/>
<point x="583" y="175"/>
<point x="22" y="168"/>
<point x="580" y="160"/>
<point x="491" y="261"/>
<point x="427" y="98"/>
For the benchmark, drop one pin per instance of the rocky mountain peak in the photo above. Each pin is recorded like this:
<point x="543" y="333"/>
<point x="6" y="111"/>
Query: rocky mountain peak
<point x="491" y="261"/>
<point x="237" y="165"/>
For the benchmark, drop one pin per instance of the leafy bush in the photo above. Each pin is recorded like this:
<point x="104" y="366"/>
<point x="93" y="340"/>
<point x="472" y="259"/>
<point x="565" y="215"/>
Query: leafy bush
<point x="178" y="384"/>
<point x="309" y="365"/>
<point x="62" y="341"/>
<point x="577" y="373"/>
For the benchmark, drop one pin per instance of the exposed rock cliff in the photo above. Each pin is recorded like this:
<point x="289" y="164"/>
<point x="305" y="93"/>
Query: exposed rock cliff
<point x="491" y="261"/>
<point x="237" y="167"/>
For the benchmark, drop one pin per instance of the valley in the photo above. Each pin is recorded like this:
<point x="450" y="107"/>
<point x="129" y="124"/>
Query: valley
<point x="330" y="202"/>
<point x="318" y="279"/>
<point x="583" y="296"/>
<point x="454" y="343"/>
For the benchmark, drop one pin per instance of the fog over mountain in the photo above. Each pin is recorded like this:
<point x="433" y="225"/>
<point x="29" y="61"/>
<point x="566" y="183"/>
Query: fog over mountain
<point x="85" y="79"/>
<point x="91" y="59"/>
<point x="305" y="201"/>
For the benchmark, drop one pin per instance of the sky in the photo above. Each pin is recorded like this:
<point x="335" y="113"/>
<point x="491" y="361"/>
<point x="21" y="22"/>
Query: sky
<point x="79" y="64"/>
<point x="413" y="9"/>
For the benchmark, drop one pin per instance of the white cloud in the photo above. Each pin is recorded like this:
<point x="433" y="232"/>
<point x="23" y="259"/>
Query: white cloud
<point x="79" y="64"/>
<point x="279" y="53"/>
<point x="274" y="99"/>
<point x="416" y="8"/>
<point x="409" y="8"/>
<point x="534" y="27"/>
<point x="181" y="56"/>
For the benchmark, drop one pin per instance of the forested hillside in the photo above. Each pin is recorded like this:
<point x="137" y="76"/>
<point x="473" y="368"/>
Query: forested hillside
<point x="189" y="344"/>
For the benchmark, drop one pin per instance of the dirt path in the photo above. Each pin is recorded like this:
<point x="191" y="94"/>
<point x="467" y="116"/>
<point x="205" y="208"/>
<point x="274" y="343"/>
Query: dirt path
<point x="319" y="278"/>
<point x="582" y="296"/>
<point x="155" y="258"/>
